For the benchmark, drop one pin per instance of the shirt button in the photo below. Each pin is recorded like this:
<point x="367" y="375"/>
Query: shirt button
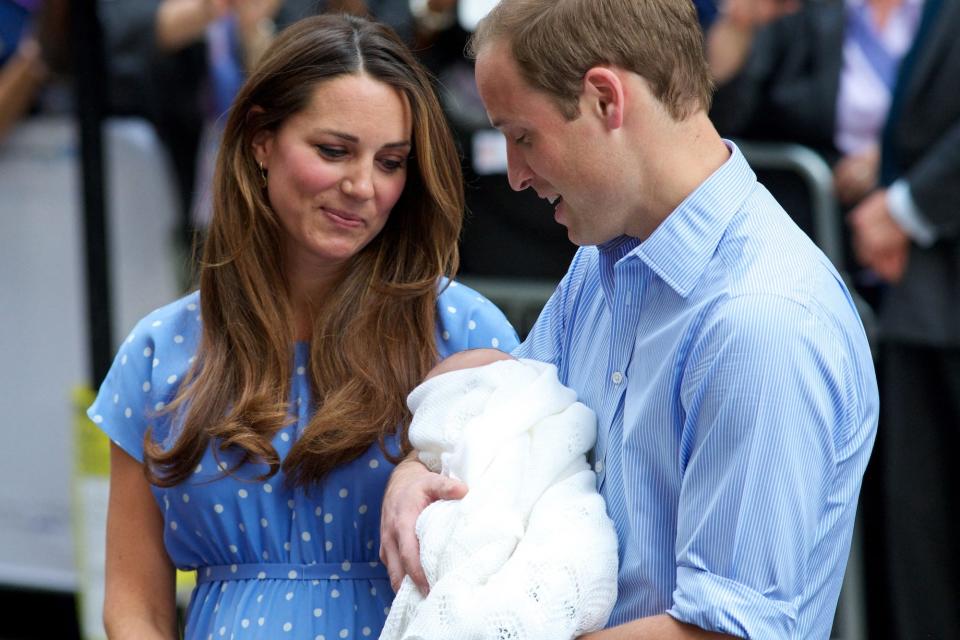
<point x="599" y="466"/>
<point x="617" y="377"/>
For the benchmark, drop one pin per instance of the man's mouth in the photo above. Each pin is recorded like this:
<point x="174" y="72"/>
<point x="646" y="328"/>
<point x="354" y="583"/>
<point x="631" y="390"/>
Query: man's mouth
<point x="557" y="201"/>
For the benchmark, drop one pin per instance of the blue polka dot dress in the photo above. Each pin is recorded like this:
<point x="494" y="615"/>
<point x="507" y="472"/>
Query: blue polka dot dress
<point x="271" y="562"/>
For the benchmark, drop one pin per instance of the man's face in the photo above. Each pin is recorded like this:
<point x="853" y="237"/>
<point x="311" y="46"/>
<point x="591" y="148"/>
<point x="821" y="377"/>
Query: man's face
<point x="562" y="160"/>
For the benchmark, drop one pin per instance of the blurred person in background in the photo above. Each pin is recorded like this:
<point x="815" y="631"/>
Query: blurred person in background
<point x="33" y="46"/>
<point x="21" y="76"/>
<point x="254" y="423"/>
<point x="908" y="232"/>
<point x="505" y="234"/>
<point x="179" y="63"/>
<point x="871" y="84"/>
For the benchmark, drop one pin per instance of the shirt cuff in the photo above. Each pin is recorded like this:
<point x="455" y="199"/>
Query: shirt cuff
<point x="719" y="604"/>
<point x="905" y="213"/>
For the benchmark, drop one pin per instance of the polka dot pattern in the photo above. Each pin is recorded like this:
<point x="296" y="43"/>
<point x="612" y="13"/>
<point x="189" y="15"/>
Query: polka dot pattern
<point x="223" y="516"/>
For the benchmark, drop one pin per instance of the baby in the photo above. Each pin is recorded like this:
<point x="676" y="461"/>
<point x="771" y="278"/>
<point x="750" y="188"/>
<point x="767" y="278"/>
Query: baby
<point x="529" y="552"/>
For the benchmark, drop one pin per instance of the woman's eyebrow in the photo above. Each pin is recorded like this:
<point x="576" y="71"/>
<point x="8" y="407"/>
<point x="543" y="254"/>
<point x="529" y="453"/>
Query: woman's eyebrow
<point x="355" y="140"/>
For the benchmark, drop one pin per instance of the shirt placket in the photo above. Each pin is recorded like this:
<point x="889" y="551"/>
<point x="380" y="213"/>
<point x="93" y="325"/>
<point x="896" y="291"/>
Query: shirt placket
<point x="630" y="285"/>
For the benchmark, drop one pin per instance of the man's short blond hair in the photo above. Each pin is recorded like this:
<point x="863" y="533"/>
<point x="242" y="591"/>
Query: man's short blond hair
<point x="555" y="42"/>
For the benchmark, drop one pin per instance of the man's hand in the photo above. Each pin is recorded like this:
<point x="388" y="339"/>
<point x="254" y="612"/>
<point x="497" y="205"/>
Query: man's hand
<point x="752" y="14"/>
<point x="251" y="12"/>
<point x="731" y="36"/>
<point x="878" y="241"/>
<point x="855" y="175"/>
<point x="441" y="5"/>
<point x="412" y="487"/>
<point x="354" y="7"/>
<point x="661" y="627"/>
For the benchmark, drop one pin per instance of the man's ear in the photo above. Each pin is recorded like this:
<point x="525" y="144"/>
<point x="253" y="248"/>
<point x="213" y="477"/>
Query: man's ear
<point x="603" y="91"/>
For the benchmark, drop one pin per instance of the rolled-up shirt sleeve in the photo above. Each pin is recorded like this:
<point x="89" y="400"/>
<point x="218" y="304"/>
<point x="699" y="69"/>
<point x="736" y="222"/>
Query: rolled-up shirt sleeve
<point x="767" y="396"/>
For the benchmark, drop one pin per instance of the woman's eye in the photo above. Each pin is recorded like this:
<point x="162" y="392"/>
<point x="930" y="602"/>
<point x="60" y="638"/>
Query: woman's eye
<point x="391" y="164"/>
<point x="331" y="152"/>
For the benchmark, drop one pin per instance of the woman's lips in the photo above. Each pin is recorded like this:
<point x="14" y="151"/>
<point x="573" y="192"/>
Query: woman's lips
<point x="343" y="218"/>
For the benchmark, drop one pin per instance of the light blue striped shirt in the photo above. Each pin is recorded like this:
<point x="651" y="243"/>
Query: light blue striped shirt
<point x="737" y="407"/>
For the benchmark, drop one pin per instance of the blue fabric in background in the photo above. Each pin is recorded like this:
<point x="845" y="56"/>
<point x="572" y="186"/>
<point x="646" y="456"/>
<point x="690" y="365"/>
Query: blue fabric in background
<point x="14" y="20"/>
<point x="226" y="68"/>
<point x="706" y="12"/>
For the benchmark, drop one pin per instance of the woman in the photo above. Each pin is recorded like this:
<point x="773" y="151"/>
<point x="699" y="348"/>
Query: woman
<point x="262" y="413"/>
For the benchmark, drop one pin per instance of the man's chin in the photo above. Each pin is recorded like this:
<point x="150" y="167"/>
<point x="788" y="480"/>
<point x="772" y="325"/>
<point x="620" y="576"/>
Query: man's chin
<point x="577" y="238"/>
<point x="581" y="239"/>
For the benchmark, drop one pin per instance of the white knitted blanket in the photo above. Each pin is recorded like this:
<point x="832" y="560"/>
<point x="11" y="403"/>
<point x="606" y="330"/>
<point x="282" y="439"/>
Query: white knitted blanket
<point x="529" y="553"/>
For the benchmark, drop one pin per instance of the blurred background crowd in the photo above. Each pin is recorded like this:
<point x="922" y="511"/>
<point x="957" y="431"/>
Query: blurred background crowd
<point x="865" y="87"/>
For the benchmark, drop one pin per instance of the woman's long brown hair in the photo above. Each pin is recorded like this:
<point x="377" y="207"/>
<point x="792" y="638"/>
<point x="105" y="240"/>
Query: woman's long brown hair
<point x="373" y="336"/>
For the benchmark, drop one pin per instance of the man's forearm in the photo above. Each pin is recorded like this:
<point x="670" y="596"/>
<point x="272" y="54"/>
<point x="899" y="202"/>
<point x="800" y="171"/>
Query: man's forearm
<point x="660" y="627"/>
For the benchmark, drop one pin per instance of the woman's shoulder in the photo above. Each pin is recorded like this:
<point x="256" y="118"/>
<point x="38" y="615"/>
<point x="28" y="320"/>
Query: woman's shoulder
<point x="146" y="373"/>
<point x="468" y="320"/>
<point x="176" y="314"/>
<point x="163" y="343"/>
<point x="177" y="323"/>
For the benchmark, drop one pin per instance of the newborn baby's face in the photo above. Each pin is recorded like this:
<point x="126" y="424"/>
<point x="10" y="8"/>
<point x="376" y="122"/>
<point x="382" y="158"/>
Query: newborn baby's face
<point x="467" y="360"/>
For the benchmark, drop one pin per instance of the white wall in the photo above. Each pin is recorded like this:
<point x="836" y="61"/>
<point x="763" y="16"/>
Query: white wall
<point x="43" y="333"/>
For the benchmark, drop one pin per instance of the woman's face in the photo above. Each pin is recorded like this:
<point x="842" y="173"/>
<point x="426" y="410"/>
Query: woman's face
<point x="335" y="170"/>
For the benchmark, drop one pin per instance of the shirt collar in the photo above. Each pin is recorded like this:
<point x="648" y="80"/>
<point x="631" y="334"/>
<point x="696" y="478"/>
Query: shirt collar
<point x="610" y="254"/>
<point x="680" y="248"/>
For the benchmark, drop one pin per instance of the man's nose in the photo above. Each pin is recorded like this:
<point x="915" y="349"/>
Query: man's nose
<point x="518" y="172"/>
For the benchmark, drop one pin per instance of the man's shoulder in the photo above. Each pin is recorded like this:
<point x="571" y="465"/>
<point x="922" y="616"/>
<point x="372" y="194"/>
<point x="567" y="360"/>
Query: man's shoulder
<point x="764" y="252"/>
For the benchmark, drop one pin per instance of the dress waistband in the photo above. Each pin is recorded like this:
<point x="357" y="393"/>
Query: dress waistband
<point x="277" y="571"/>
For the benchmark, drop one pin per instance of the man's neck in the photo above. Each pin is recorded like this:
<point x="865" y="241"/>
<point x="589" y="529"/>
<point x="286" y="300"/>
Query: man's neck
<point x="692" y="151"/>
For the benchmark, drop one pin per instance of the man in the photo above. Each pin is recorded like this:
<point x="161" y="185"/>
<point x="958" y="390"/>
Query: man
<point x="731" y="377"/>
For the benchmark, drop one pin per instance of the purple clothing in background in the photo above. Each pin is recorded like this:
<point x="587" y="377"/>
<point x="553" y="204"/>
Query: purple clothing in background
<point x="30" y="5"/>
<point x="863" y="99"/>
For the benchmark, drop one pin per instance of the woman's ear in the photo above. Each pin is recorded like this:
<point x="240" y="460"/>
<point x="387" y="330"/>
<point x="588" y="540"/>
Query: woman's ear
<point x="262" y="142"/>
<point x="604" y="95"/>
<point x="262" y="145"/>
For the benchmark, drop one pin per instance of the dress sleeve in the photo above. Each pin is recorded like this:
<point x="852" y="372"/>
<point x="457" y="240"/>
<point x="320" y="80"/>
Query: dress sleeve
<point x="467" y="320"/>
<point x="125" y="405"/>
<point x="767" y="395"/>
